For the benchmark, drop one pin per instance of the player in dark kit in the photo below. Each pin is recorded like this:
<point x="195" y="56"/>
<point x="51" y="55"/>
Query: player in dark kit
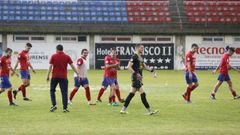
<point x="5" y="67"/>
<point x="223" y="68"/>
<point x="136" y="66"/>
<point x="190" y="75"/>
<point x="24" y="61"/>
<point x="58" y="66"/>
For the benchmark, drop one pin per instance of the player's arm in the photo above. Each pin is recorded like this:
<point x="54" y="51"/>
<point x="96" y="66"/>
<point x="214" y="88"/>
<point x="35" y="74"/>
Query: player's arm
<point x="49" y="71"/>
<point x="146" y="67"/>
<point x="129" y="67"/>
<point x="74" y="69"/>
<point x="16" y="65"/>
<point x="188" y="59"/>
<point x="30" y="65"/>
<point x="111" y="66"/>
<point x="118" y="65"/>
<point x="216" y="69"/>
<point x="13" y="71"/>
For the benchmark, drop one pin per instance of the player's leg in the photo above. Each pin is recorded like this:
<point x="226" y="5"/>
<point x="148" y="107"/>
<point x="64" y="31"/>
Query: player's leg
<point x="6" y="84"/>
<point x="53" y="85"/>
<point x="234" y="93"/>
<point x="145" y="102"/>
<point x="75" y="89"/>
<point x="195" y="82"/>
<point x="85" y="84"/>
<point x="25" y="76"/>
<point x="187" y="94"/>
<point x="63" y="83"/>
<point x="102" y="90"/>
<point x="118" y="94"/>
<point x="10" y="97"/>
<point x="112" y="95"/>
<point x="215" y="89"/>
<point x="128" y="100"/>
<point x="221" y="78"/>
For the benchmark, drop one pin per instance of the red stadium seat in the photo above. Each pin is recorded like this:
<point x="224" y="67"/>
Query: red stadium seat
<point x="148" y="11"/>
<point x="221" y="11"/>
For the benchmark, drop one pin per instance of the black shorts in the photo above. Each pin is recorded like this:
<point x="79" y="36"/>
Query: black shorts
<point x="136" y="82"/>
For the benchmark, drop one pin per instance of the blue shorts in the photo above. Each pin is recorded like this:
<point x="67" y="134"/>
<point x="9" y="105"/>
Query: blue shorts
<point x="81" y="82"/>
<point x="108" y="81"/>
<point x="25" y="74"/>
<point x="223" y="77"/>
<point x="5" y="83"/>
<point x="190" y="81"/>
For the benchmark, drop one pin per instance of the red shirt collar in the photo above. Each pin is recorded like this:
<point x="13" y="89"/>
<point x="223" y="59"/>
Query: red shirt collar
<point x="59" y="52"/>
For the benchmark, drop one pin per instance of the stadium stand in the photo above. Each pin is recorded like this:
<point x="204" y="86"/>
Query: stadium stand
<point x="221" y="11"/>
<point x="121" y="16"/>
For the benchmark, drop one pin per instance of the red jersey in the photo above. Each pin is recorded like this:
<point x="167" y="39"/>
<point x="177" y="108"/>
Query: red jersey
<point x="60" y="62"/>
<point x="24" y="58"/>
<point x="224" y="64"/>
<point x="190" y="58"/>
<point x="5" y="63"/>
<point x="110" y="72"/>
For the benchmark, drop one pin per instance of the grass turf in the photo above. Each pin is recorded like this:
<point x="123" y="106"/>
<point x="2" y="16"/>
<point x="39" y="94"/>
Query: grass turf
<point x="203" y="116"/>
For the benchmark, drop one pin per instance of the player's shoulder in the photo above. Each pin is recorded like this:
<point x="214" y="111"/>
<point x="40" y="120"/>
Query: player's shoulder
<point x="80" y="60"/>
<point x="189" y="53"/>
<point x="108" y="57"/>
<point x="134" y="56"/>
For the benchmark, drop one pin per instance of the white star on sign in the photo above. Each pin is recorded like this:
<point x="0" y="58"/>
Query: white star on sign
<point x="160" y="60"/>
<point x="152" y="60"/>
<point x="167" y="60"/>
<point x="166" y="67"/>
<point x="145" y="60"/>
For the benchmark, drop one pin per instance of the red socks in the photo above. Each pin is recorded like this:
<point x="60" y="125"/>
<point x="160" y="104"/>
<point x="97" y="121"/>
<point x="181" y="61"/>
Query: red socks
<point x="188" y="93"/>
<point x="101" y="91"/>
<point x="23" y="89"/>
<point x="111" y="99"/>
<point x="10" y="98"/>
<point x="72" y="93"/>
<point x="87" y="92"/>
<point x="194" y="87"/>
<point x="118" y="95"/>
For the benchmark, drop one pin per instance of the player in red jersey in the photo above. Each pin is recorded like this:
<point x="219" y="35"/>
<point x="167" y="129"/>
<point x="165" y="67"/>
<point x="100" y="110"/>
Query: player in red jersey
<point x="112" y="64"/>
<point x="5" y="67"/>
<point x="24" y="60"/>
<point x="223" y="68"/>
<point x="190" y="75"/>
<point x="82" y="70"/>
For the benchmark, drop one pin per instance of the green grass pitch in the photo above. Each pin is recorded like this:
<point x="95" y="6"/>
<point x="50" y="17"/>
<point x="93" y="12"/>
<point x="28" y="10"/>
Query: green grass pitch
<point x="203" y="116"/>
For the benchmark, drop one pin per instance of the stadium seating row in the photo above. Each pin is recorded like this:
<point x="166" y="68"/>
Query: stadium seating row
<point x="86" y="11"/>
<point x="221" y="11"/>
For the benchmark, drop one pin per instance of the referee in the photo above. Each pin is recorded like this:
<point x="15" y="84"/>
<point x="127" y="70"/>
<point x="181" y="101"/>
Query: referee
<point x="58" y="66"/>
<point x="136" y="66"/>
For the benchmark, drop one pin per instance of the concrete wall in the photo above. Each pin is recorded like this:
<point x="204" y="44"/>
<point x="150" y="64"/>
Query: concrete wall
<point x="41" y="51"/>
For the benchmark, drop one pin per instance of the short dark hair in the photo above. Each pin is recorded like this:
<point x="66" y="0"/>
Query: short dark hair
<point x="113" y="49"/>
<point x="194" y="45"/>
<point x="59" y="47"/>
<point x="29" y="45"/>
<point x="232" y="49"/>
<point x="8" y="50"/>
<point x="138" y="45"/>
<point x="83" y="50"/>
